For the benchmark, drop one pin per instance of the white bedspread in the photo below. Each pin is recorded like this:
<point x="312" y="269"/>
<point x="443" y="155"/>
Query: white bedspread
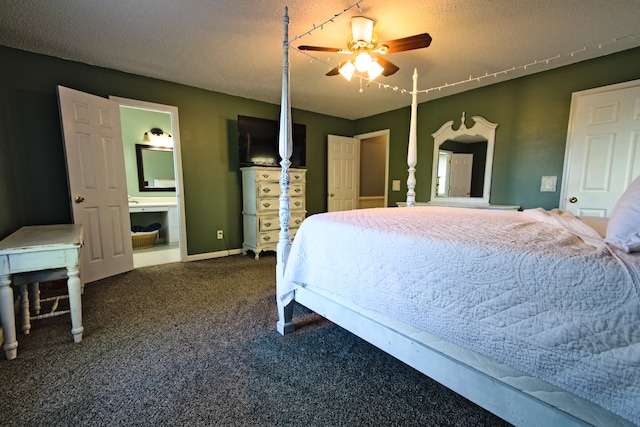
<point x="520" y="287"/>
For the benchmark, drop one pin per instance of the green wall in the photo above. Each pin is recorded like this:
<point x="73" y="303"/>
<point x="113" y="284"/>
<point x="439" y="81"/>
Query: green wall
<point x="533" y="117"/>
<point x="33" y="183"/>
<point x="532" y="113"/>
<point x="135" y="122"/>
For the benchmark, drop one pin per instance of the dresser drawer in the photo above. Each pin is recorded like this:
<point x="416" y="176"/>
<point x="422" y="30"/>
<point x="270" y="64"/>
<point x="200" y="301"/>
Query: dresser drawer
<point x="272" y="189"/>
<point x="272" y="222"/>
<point x="296" y="219"/>
<point x="268" y="189"/>
<point x="274" y="175"/>
<point x="296" y="190"/>
<point x="297" y="203"/>
<point x="268" y="223"/>
<point x="271" y="237"/>
<point x="297" y="177"/>
<point x="268" y="175"/>
<point x="268" y="204"/>
<point x="268" y="237"/>
<point x="272" y="204"/>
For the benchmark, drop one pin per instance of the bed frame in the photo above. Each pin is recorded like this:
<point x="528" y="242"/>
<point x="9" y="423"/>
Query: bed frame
<point x="510" y="394"/>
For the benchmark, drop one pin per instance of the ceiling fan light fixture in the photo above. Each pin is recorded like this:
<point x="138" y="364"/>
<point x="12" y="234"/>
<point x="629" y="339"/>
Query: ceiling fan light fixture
<point x="363" y="61"/>
<point x="375" y="70"/>
<point x="361" y="28"/>
<point x="347" y="69"/>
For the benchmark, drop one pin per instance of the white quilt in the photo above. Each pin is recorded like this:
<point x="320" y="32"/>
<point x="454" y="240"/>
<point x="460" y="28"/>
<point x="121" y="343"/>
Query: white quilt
<point x="520" y="287"/>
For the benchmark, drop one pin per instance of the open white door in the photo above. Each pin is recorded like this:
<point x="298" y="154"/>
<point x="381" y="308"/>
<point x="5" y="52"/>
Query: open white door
<point x="97" y="181"/>
<point x="603" y="148"/>
<point x="342" y="173"/>
<point x="460" y="184"/>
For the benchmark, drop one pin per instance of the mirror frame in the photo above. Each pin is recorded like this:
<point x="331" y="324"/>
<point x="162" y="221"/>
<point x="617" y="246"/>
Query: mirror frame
<point x="482" y="130"/>
<point x="141" y="186"/>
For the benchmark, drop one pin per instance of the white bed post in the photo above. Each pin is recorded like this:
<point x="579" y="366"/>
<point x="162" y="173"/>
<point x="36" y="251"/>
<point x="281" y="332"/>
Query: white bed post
<point x="285" y="147"/>
<point x="412" y="156"/>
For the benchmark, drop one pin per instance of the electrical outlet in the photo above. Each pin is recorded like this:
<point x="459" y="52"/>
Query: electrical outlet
<point x="220" y="234"/>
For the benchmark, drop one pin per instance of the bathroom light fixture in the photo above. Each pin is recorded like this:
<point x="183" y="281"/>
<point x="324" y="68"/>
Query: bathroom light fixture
<point x="158" y="137"/>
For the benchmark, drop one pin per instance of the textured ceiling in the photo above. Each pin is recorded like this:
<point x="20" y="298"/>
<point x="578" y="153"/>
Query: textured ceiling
<point x="235" y="46"/>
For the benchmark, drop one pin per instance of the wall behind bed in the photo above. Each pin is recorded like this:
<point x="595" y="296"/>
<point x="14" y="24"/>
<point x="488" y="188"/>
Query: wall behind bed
<point x="533" y="116"/>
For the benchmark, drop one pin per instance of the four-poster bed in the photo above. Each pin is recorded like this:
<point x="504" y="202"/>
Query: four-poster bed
<point x="455" y="294"/>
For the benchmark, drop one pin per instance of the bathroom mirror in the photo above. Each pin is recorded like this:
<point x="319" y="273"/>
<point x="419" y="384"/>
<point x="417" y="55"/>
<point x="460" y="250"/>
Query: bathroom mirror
<point x="462" y="163"/>
<point x="155" y="168"/>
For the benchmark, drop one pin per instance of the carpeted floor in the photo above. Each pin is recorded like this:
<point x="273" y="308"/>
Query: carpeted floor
<point x="194" y="344"/>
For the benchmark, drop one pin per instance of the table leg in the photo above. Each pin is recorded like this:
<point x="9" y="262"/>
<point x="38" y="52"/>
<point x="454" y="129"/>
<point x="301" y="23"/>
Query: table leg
<point x="34" y="297"/>
<point x="75" y="302"/>
<point x="26" y="314"/>
<point x="7" y="313"/>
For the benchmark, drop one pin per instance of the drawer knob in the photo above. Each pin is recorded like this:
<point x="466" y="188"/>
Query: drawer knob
<point x="266" y="205"/>
<point x="266" y="238"/>
<point x="297" y="190"/>
<point x="297" y="204"/>
<point x="265" y="175"/>
<point x="267" y="224"/>
<point x="266" y="190"/>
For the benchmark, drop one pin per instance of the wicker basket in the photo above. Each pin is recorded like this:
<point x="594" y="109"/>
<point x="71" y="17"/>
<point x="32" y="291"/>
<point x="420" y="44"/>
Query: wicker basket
<point x="144" y="239"/>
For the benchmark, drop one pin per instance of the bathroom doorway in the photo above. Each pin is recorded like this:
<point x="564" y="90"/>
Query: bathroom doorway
<point x="151" y="139"/>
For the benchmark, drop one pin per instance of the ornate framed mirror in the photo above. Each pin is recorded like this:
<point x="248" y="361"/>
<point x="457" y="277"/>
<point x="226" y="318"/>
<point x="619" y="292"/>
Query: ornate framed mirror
<point x="462" y="163"/>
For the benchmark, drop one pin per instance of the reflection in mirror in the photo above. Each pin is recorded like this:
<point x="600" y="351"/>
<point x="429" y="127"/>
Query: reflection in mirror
<point x="462" y="163"/>
<point x="155" y="168"/>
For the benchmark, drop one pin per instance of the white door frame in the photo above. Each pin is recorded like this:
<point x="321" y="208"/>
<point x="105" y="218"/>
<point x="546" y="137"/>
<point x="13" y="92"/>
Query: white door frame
<point x="569" y="145"/>
<point x="386" y="133"/>
<point x="177" y="159"/>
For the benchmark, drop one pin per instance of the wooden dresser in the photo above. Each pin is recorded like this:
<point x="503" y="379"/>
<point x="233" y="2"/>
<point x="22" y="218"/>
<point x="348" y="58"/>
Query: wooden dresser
<point x="260" y="202"/>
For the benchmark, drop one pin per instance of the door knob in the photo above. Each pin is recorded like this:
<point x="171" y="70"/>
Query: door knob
<point x="79" y="199"/>
<point x="573" y="199"/>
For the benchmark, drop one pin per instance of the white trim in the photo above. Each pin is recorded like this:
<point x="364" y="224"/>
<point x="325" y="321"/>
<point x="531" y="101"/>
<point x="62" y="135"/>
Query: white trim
<point x="210" y="255"/>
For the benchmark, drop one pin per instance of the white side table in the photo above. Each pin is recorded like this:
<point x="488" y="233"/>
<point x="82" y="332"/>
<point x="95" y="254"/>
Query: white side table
<point x="38" y="248"/>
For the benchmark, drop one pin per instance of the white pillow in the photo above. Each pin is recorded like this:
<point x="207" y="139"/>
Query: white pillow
<point x="623" y="229"/>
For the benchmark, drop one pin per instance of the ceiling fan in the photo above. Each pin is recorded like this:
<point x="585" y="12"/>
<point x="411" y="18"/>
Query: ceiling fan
<point x="363" y="43"/>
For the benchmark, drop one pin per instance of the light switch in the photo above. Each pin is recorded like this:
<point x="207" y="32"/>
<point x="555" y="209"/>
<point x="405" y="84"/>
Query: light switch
<point x="548" y="183"/>
<point x="395" y="185"/>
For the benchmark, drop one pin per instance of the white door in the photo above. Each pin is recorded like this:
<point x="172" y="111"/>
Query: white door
<point x="342" y="173"/>
<point x="461" y="164"/>
<point x="97" y="182"/>
<point x="444" y="173"/>
<point x="603" y="148"/>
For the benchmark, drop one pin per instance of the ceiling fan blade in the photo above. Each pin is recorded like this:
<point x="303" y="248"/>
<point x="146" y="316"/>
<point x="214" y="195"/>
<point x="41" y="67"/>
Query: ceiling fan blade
<point x="418" y="41"/>
<point x="389" y="67"/>
<point x="334" y="71"/>
<point x="320" y="48"/>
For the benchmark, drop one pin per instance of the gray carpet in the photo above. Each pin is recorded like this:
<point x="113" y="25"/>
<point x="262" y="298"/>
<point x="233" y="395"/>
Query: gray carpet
<point x="194" y="343"/>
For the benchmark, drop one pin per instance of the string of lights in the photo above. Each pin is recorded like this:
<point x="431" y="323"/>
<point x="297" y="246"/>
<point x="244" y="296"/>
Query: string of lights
<point x="471" y="78"/>
<point x="330" y="20"/>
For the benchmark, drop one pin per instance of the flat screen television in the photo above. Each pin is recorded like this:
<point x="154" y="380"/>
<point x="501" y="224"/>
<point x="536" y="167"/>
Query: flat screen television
<point x="258" y="142"/>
